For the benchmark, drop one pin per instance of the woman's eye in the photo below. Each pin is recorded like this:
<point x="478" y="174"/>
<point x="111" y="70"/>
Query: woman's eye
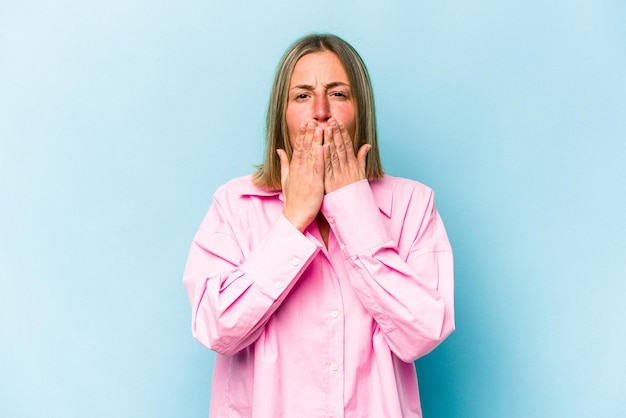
<point x="338" y="94"/>
<point x="302" y="96"/>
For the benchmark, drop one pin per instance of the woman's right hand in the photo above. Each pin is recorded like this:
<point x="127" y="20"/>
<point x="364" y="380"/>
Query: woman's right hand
<point x="302" y="179"/>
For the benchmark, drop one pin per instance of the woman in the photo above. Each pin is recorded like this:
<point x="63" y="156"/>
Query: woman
<point x="319" y="280"/>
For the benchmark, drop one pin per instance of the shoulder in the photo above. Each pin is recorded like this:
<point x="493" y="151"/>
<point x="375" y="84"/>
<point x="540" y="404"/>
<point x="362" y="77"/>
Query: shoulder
<point x="401" y="185"/>
<point x="239" y="203"/>
<point x="392" y="192"/>
<point x="240" y="187"/>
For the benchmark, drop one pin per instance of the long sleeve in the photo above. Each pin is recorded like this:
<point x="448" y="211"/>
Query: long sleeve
<point x="399" y="263"/>
<point x="237" y="277"/>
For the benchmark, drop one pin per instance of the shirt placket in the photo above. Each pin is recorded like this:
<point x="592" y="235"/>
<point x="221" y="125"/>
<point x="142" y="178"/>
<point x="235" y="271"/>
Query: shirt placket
<point x="336" y="334"/>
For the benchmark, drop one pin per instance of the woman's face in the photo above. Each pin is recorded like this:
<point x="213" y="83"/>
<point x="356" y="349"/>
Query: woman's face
<point x="319" y="90"/>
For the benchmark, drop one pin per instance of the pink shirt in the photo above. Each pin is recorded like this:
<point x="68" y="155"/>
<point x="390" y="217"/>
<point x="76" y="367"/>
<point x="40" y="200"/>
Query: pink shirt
<point x="305" y="331"/>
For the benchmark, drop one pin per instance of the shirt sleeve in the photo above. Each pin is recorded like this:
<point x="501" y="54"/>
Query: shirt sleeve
<point x="232" y="296"/>
<point x="410" y="293"/>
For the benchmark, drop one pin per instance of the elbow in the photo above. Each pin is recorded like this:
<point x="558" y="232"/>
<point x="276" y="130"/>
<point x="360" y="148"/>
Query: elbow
<point x="417" y="349"/>
<point x="220" y="342"/>
<point x="221" y="333"/>
<point x="414" y="343"/>
<point x="221" y="345"/>
<point x="216" y="327"/>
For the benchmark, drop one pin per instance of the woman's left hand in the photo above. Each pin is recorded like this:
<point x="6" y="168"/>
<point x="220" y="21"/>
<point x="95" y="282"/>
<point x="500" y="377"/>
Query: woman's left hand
<point x="341" y="165"/>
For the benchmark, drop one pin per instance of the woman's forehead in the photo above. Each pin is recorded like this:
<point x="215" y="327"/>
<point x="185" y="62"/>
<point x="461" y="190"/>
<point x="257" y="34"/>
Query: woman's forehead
<point x="319" y="67"/>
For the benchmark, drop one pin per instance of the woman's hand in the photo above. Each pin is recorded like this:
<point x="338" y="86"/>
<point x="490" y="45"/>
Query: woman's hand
<point x="302" y="179"/>
<point x="341" y="166"/>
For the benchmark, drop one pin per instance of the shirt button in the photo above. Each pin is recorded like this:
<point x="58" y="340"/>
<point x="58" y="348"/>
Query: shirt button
<point x="334" y="367"/>
<point x="331" y="220"/>
<point x="295" y="261"/>
<point x="278" y="285"/>
<point x="334" y="314"/>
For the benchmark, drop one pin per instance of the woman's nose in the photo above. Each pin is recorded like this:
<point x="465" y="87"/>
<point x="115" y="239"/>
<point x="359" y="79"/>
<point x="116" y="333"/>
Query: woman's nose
<point x="322" y="110"/>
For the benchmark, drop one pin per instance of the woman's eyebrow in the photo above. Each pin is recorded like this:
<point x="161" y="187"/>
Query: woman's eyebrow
<point x="336" y="84"/>
<point x="327" y="86"/>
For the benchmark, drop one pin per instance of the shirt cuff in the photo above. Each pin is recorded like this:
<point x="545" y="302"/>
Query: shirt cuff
<point x="280" y="258"/>
<point x="356" y="220"/>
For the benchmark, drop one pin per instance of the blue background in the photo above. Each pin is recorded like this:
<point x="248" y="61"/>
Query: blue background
<point x="118" y="119"/>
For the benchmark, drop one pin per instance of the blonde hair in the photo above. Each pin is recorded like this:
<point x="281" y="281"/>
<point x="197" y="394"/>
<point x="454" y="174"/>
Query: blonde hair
<point x="267" y="174"/>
